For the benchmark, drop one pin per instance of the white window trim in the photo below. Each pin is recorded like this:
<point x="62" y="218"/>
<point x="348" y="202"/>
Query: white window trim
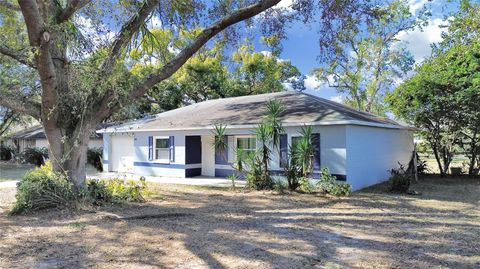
<point x="155" y="160"/>
<point x="235" y="143"/>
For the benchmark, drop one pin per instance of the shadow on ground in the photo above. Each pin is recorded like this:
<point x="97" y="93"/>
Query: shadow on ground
<point x="222" y="229"/>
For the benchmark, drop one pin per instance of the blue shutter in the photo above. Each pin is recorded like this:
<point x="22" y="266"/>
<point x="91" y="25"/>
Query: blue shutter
<point x="316" y="148"/>
<point x="283" y="150"/>
<point x="171" y="146"/>
<point x="150" y="148"/>
<point x="221" y="157"/>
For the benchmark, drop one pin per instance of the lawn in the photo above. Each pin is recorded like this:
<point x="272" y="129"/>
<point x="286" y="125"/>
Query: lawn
<point x="193" y="227"/>
<point x="13" y="171"/>
<point x="9" y="171"/>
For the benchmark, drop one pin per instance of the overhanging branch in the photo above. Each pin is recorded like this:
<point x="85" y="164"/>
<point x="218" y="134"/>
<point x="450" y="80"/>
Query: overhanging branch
<point x="72" y="7"/>
<point x="18" y="56"/>
<point x="105" y="104"/>
<point x="20" y="104"/>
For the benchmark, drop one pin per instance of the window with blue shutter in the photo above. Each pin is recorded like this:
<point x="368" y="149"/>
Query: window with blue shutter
<point x="283" y="150"/>
<point x="172" y="148"/>
<point x="150" y="148"/>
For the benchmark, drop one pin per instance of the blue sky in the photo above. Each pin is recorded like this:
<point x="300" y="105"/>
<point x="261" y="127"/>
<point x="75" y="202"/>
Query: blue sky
<point x="301" y="46"/>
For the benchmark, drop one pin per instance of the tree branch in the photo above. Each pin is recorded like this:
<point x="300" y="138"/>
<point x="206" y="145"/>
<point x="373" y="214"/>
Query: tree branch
<point x="72" y="7"/>
<point x="171" y="67"/>
<point x="18" y="56"/>
<point x="125" y="35"/>
<point x="9" y="5"/>
<point x="20" y="104"/>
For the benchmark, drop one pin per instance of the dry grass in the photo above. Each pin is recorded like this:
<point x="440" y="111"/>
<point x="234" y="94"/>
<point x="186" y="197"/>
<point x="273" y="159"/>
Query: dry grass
<point x="223" y="229"/>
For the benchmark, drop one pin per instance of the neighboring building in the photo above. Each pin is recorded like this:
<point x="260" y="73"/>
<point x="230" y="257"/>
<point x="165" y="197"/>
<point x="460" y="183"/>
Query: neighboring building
<point x="357" y="147"/>
<point x="34" y="137"/>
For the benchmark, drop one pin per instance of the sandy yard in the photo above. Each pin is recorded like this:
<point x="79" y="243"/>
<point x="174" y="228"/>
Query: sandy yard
<point x="192" y="227"/>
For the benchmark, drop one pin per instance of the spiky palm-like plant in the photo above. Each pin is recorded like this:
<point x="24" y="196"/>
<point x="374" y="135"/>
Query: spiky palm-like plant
<point x="263" y="132"/>
<point x="219" y="132"/>
<point x="274" y="110"/>
<point x="304" y="151"/>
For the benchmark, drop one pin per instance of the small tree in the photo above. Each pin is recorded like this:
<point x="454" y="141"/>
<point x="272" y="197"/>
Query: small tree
<point x="304" y="151"/>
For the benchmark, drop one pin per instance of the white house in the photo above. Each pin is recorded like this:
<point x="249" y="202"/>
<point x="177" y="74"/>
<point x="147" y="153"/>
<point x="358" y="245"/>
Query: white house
<point x="357" y="147"/>
<point x="34" y="137"/>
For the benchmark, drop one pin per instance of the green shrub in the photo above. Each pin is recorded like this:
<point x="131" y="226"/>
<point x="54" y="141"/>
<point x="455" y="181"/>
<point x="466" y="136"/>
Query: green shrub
<point x="340" y="189"/>
<point x="280" y="185"/>
<point x="306" y="185"/>
<point x="94" y="158"/>
<point x="42" y="188"/>
<point x="116" y="191"/>
<point x="400" y="180"/>
<point x="255" y="174"/>
<point x="6" y="153"/>
<point x="34" y="156"/>
<point x="329" y="184"/>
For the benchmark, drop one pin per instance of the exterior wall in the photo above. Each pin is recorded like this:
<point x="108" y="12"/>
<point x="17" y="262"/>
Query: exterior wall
<point x="106" y="152"/>
<point x="332" y="150"/>
<point x="372" y="152"/>
<point x="143" y="166"/>
<point x="43" y="143"/>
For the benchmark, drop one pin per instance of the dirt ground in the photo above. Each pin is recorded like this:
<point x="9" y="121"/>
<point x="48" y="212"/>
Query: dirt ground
<point x="215" y="228"/>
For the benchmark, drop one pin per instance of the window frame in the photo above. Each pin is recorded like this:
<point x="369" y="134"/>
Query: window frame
<point x="245" y="137"/>
<point x="155" y="157"/>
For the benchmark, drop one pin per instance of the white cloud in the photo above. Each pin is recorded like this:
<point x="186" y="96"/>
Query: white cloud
<point x="285" y="4"/>
<point x="416" y="5"/>
<point x="266" y="53"/>
<point x="337" y="98"/>
<point x="419" y="41"/>
<point x="312" y="83"/>
<point x="155" y="22"/>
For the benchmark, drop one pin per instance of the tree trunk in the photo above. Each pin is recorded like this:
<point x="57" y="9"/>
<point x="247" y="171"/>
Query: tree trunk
<point x="437" y="158"/>
<point x="68" y="153"/>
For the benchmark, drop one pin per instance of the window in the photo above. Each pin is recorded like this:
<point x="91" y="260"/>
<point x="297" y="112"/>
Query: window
<point x="295" y="140"/>
<point x="247" y="144"/>
<point x="162" y="151"/>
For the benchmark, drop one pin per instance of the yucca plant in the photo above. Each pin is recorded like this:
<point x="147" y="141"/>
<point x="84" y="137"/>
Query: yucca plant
<point x="263" y="137"/>
<point x="219" y="132"/>
<point x="274" y="110"/>
<point x="304" y="151"/>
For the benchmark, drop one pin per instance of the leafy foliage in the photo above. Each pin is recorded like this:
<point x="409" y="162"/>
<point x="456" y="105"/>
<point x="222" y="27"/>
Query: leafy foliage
<point x="34" y="156"/>
<point x="6" y="153"/>
<point x="116" y="191"/>
<point x="329" y="184"/>
<point x="41" y="189"/>
<point x="94" y="158"/>
<point x="363" y="63"/>
<point x="400" y="180"/>
<point x="304" y="151"/>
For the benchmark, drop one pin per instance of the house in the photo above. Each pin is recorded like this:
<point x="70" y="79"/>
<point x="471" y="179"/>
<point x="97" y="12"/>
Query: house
<point x="34" y="137"/>
<point x="357" y="147"/>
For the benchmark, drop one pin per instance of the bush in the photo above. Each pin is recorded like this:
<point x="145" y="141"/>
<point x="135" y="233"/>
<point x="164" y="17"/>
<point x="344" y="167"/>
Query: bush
<point x="6" y="153"/>
<point x="400" y="180"/>
<point x="329" y="184"/>
<point x="255" y="175"/>
<point x="94" y="158"/>
<point x="280" y="185"/>
<point x="340" y="189"/>
<point x="306" y="185"/>
<point x="116" y="191"/>
<point x="42" y="188"/>
<point x="34" y="156"/>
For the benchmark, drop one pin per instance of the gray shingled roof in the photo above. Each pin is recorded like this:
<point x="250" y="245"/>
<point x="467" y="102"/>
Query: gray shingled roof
<point x="300" y="108"/>
<point x="36" y="132"/>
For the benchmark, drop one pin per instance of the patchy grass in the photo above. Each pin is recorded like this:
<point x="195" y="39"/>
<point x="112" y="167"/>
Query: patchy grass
<point x="9" y="172"/>
<point x="215" y="228"/>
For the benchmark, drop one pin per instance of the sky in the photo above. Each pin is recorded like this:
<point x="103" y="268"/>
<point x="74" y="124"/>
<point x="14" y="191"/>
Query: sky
<point x="301" y="45"/>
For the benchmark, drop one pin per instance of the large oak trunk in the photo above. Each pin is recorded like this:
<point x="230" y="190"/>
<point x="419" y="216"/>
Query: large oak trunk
<point x="68" y="155"/>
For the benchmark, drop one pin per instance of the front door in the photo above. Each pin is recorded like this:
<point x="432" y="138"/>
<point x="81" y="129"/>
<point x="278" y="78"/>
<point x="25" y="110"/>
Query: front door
<point x="208" y="156"/>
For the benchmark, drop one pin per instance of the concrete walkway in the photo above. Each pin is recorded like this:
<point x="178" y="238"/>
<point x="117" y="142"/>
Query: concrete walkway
<point x="8" y="184"/>
<point x="196" y="181"/>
